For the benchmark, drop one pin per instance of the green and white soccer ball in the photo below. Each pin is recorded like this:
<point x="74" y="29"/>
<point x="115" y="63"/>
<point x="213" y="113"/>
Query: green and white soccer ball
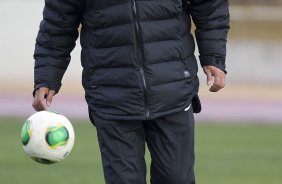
<point x="47" y="137"/>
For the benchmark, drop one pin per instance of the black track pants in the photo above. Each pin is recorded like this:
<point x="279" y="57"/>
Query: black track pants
<point x="170" y="140"/>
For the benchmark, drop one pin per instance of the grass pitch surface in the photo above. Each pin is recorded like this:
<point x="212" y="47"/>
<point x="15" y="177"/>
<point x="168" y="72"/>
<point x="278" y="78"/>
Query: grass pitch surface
<point x="225" y="154"/>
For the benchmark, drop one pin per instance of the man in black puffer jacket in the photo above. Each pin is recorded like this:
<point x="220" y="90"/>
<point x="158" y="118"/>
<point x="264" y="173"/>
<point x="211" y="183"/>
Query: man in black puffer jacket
<point x="139" y="75"/>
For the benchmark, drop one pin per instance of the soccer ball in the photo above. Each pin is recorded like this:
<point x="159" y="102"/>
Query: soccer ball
<point x="47" y="137"/>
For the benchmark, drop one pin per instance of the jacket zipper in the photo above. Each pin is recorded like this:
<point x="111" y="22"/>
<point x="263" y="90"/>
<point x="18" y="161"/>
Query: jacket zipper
<point x="140" y="56"/>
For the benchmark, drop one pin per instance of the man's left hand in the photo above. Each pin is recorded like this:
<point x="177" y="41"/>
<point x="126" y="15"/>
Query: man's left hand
<point x="215" y="78"/>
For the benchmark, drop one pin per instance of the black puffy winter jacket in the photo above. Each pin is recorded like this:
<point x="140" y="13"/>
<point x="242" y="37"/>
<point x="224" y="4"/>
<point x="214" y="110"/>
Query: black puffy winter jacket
<point x="137" y="55"/>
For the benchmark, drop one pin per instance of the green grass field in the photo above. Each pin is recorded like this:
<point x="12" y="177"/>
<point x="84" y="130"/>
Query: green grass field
<point x="225" y="154"/>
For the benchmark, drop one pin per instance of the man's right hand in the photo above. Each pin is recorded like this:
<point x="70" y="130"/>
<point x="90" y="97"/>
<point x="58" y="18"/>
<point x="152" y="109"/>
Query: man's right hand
<point x="42" y="98"/>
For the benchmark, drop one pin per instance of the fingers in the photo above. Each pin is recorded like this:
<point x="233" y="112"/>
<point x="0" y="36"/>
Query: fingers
<point x="217" y="85"/>
<point x="209" y="76"/>
<point x="42" y="99"/>
<point x="216" y="76"/>
<point x="50" y="97"/>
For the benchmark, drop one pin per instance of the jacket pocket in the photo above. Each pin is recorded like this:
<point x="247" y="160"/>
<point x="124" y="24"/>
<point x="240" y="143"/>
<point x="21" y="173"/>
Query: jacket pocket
<point x="190" y="63"/>
<point x="186" y="70"/>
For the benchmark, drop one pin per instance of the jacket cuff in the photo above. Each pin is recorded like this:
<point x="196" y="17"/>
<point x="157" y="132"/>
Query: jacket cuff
<point x="213" y="61"/>
<point x="50" y="85"/>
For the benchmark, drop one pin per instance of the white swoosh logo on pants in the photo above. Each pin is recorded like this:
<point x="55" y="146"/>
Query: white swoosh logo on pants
<point x="187" y="108"/>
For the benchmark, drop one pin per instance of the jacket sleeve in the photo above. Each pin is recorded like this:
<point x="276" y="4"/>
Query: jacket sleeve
<point x="55" y="41"/>
<point x="211" y="18"/>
